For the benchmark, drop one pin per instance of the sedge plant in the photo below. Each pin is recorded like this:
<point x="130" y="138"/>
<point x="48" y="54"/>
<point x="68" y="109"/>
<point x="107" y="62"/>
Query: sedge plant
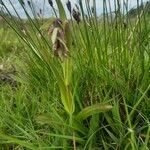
<point x="74" y="69"/>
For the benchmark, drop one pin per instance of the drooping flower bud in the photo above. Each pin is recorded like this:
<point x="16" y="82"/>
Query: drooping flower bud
<point x="29" y="3"/>
<point x="68" y="4"/>
<point x="93" y="9"/>
<point x="50" y="3"/>
<point x="58" y="39"/>
<point x="40" y="11"/>
<point x="1" y="2"/>
<point x="76" y="15"/>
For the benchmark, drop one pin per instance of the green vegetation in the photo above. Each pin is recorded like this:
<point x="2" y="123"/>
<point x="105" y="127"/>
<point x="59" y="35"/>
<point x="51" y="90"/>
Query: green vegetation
<point x="81" y="84"/>
<point x="144" y="6"/>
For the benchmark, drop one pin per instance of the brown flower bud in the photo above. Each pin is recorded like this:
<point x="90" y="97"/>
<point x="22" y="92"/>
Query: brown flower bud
<point x="76" y="15"/>
<point x="58" y="39"/>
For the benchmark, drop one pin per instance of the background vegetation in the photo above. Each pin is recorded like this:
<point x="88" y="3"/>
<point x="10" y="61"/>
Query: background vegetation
<point x="81" y="83"/>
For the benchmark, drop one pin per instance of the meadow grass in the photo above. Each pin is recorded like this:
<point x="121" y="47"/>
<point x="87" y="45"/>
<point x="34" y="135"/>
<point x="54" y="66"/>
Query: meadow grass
<point x="82" y="85"/>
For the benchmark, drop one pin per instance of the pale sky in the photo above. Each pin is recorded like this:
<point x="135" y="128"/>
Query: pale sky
<point x="47" y="9"/>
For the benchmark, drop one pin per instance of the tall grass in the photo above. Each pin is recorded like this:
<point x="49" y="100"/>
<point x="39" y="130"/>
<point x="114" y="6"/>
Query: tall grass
<point x="84" y="81"/>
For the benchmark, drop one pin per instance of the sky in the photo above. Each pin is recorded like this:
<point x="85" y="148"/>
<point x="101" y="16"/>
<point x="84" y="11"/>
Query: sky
<point x="43" y="5"/>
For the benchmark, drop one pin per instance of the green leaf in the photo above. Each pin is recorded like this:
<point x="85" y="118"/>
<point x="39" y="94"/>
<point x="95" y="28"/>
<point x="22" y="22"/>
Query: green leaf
<point x="11" y="139"/>
<point x="66" y="95"/>
<point x="91" y="110"/>
<point x="62" y="13"/>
